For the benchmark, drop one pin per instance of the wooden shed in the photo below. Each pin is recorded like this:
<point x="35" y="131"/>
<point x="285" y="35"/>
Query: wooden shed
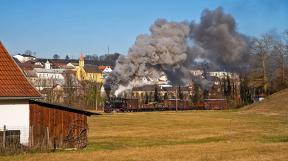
<point x="57" y="126"/>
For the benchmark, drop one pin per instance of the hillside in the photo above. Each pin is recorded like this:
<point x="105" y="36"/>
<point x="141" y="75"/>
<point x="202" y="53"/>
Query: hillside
<point x="276" y="104"/>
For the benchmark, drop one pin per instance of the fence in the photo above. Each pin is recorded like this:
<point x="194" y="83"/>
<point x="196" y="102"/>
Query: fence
<point x="16" y="139"/>
<point x="13" y="139"/>
<point x="9" y="138"/>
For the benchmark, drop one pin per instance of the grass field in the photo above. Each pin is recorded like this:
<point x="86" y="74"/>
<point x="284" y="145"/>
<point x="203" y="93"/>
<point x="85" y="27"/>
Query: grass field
<point x="246" y="134"/>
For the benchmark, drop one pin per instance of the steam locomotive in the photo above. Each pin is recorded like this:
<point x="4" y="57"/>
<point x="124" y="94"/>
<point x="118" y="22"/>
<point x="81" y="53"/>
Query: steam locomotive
<point x="133" y="105"/>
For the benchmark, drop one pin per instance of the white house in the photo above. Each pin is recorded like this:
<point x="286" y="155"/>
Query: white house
<point x="196" y="72"/>
<point x="47" y="77"/>
<point x="48" y="73"/>
<point x="220" y="74"/>
<point x="15" y="92"/>
<point x="24" y="58"/>
<point x="162" y="81"/>
<point x="223" y="74"/>
<point x="70" y="66"/>
<point x="107" y="69"/>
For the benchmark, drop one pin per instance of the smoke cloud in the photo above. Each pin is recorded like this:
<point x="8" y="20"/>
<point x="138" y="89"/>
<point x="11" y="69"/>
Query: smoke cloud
<point x="172" y="48"/>
<point x="216" y="39"/>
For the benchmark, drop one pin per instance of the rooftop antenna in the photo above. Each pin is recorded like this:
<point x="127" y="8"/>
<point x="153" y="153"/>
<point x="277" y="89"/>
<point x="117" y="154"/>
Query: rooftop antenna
<point x="108" y="49"/>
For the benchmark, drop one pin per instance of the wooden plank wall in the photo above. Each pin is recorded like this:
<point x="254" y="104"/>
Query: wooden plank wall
<point x="54" y="128"/>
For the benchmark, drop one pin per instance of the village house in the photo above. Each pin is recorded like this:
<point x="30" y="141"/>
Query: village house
<point x="48" y="77"/>
<point x="59" y="63"/>
<point x="161" y="81"/>
<point x="106" y="70"/>
<point x="163" y="92"/>
<point x="223" y="74"/>
<point x="48" y="73"/>
<point x="24" y="58"/>
<point x="65" y="93"/>
<point x="31" y="75"/>
<point x="38" y="123"/>
<point x="70" y="66"/>
<point x="196" y="72"/>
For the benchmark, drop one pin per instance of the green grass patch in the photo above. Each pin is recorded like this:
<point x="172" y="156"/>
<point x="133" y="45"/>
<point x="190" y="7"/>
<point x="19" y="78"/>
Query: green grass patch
<point x="276" y="139"/>
<point x="132" y="142"/>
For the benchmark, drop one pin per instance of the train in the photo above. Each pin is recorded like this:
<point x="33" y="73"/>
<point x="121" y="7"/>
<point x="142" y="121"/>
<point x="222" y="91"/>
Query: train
<point x="133" y="105"/>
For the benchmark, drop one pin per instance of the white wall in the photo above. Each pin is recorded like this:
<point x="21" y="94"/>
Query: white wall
<point x="15" y="115"/>
<point x="50" y="76"/>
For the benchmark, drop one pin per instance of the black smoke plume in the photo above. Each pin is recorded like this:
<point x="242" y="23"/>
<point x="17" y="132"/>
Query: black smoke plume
<point x="172" y="48"/>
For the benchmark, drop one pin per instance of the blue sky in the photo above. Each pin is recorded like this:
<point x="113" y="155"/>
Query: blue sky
<point x="72" y="26"/>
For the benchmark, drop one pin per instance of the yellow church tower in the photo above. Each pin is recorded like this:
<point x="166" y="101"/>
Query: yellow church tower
<point x="81" y="61"/>
<point x="80" y="74"/>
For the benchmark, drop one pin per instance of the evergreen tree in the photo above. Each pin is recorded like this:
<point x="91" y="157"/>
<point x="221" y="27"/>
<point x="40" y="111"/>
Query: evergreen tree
<point x="233" y="89"/>
<point x="150" y="97"/>
<point x="205" y="76"/>
<point x="180" y="93"/>
<point x="245" y="92"/>
<point x="56" y="56"/>
<point x="165" y="96"/>
<point x="67" y="57"/>
<point x="196" y="94"/>
<point x="224" y="84"/>
<point x="146" y="98"/>
<point x="229" y="88"/>
<point x="156" y="95"/>
<point x="205" y="93"/>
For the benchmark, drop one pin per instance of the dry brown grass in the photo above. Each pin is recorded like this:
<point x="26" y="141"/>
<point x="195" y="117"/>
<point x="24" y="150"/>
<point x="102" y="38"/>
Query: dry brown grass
<point x="244" y="135"/>
<point x="276" y="104"/>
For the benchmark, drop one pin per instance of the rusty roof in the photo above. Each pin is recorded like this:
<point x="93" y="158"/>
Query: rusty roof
<point x="13" y="82"/>
<point x="91" y="69"/>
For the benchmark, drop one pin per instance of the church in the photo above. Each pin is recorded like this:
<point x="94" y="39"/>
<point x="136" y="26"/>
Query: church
<point x="88" y="72"/>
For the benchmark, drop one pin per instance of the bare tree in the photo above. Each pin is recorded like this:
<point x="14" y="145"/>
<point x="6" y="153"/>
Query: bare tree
<point x="69" y="89"/>
<point x="263" y="47"/>
<point x="280" y="51"/>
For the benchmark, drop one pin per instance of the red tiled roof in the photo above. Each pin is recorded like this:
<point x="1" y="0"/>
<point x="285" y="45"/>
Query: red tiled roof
<point x="102" y="67"/>
<point x="13" y="83"/>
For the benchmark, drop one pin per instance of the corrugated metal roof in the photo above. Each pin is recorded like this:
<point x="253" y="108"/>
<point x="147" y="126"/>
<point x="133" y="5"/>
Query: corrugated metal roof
<point x="64" y="107"/>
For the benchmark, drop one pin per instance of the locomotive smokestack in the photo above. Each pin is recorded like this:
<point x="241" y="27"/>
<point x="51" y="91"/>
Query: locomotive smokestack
<point x="106" y="90"/>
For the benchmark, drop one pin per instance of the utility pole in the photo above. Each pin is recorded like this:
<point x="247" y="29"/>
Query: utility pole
<point x="96" y="89"/>
<point x="4" y="137"/>
<point x="96" y="99"/>
<point x="176" y="100"/>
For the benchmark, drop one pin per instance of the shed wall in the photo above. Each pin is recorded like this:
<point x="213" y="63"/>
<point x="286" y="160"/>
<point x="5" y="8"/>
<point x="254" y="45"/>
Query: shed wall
<point x="57" y="128"/>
